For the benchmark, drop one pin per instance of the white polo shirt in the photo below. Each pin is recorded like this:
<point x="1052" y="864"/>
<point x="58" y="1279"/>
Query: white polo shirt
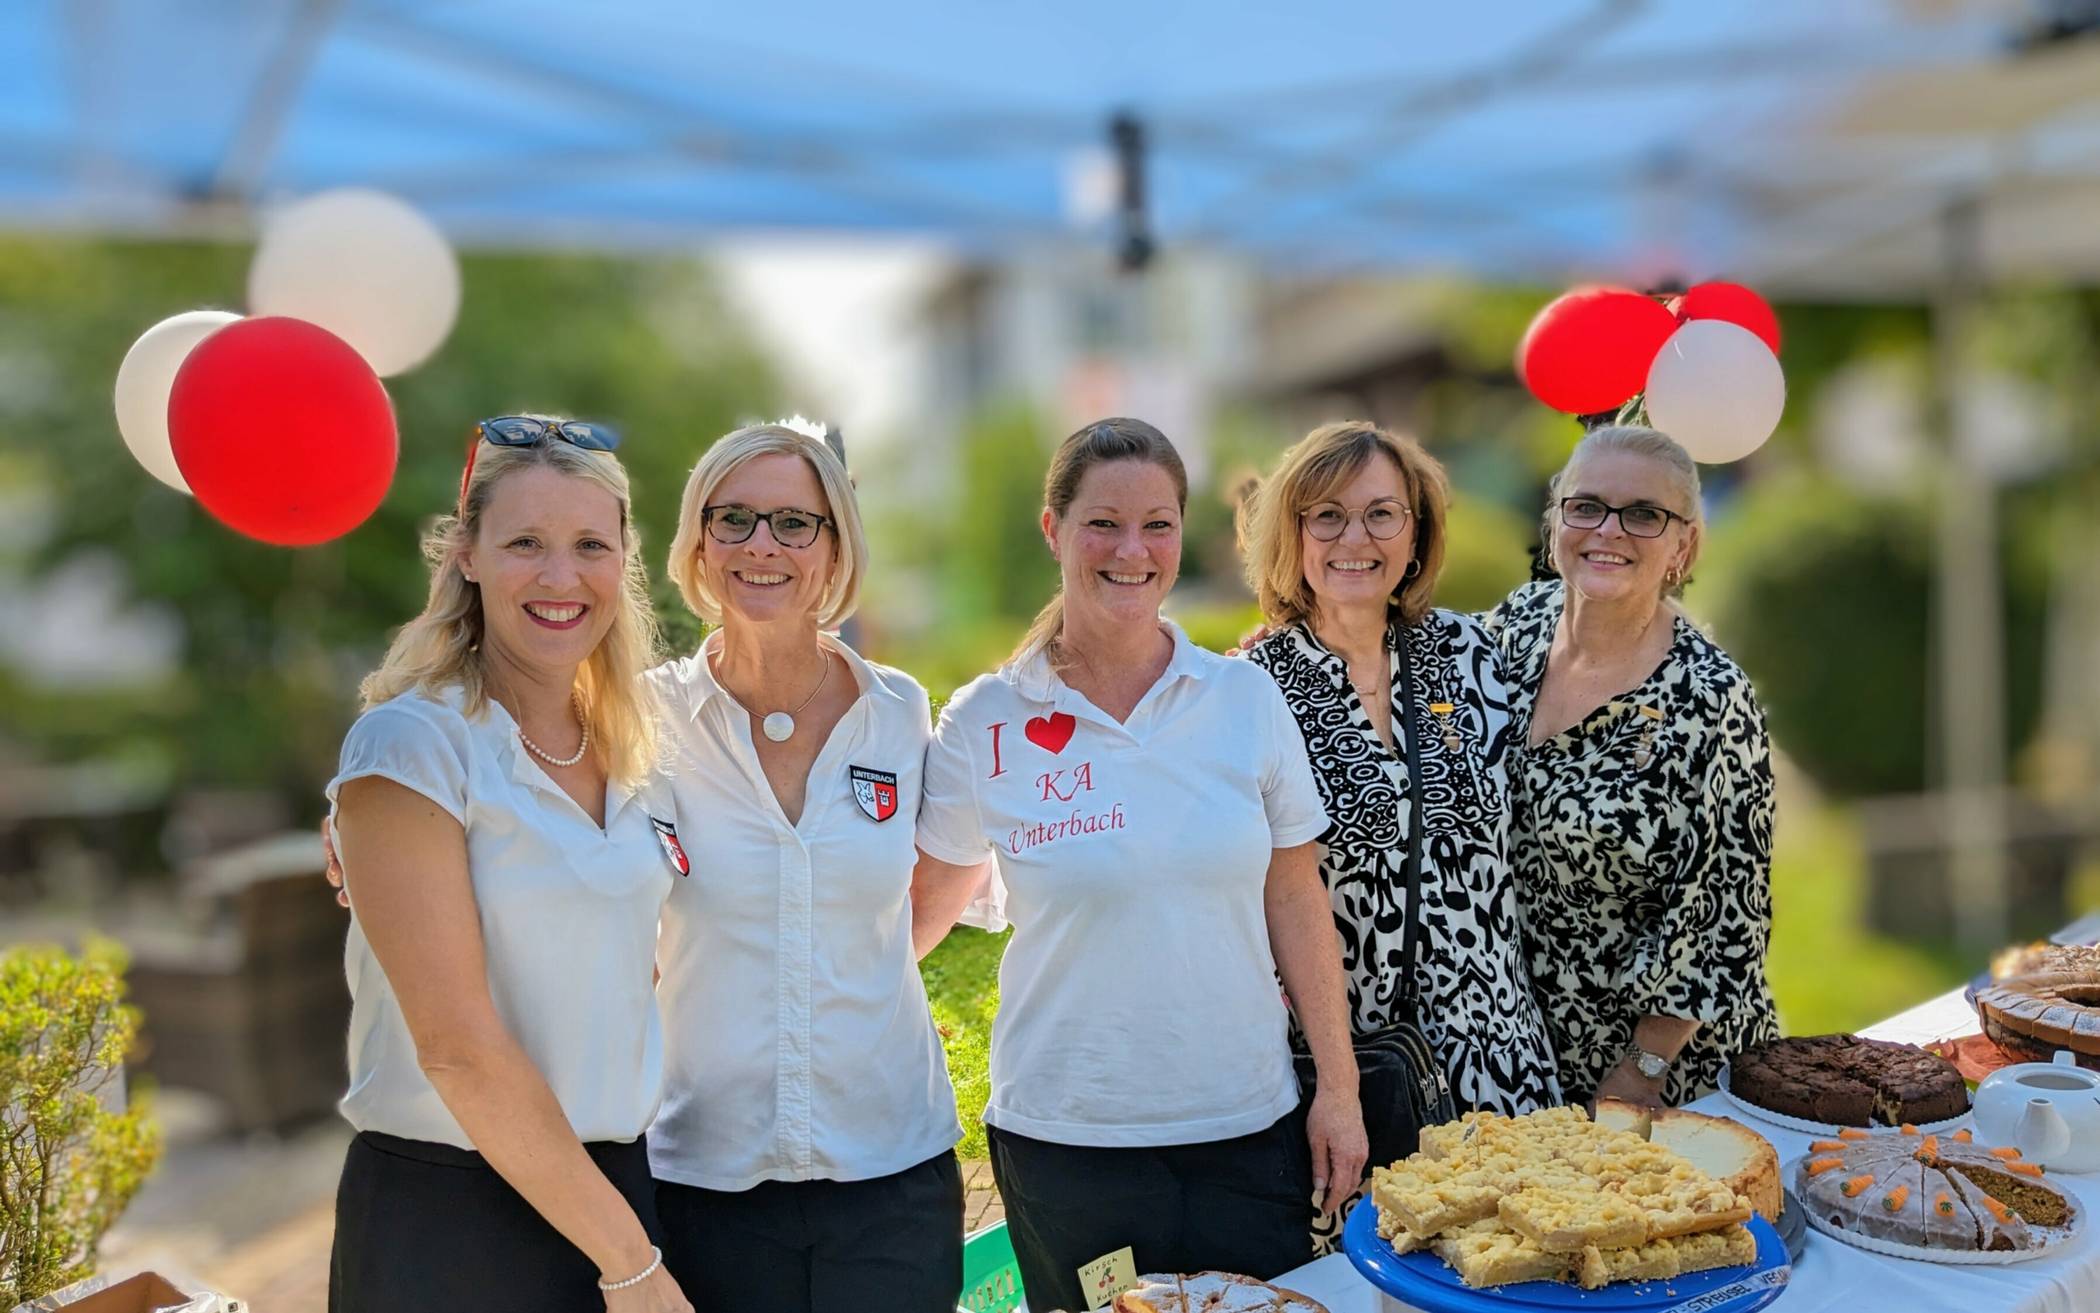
<point x="1138" y="1001"/>
<point x="798" y="1046"/>
<point x="568" y="923"/>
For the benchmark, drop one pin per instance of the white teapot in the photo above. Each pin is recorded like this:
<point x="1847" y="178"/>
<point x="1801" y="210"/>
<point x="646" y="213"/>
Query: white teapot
<point x="2049" y="1111"/>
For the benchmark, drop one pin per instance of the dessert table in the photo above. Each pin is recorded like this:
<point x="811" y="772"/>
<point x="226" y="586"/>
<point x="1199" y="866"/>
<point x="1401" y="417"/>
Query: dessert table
<point x="1833" y="1277"/>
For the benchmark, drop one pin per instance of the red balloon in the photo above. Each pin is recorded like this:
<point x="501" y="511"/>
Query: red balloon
<point x="1590" y="350"/>
<point x="1733" y="302"/>
<point x="283" y="431"/>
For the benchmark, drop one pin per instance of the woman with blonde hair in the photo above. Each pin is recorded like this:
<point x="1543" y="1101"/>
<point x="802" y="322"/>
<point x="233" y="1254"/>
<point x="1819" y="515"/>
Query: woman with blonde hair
<point x="1642" y="779"/>
<point x="1153" y="821"/>
<point x="497" y="820"/>
<point x="1407" y="725"/>
<point x="805" y="1151"/>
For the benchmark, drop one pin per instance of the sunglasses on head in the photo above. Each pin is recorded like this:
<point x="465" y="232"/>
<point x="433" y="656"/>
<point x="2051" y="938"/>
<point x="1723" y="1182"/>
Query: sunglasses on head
<point x="526" y="431"/>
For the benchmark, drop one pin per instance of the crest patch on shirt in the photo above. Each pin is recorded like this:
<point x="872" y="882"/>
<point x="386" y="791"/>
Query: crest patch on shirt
<point x="674" y="852"/>
<point x="875" y="791"/>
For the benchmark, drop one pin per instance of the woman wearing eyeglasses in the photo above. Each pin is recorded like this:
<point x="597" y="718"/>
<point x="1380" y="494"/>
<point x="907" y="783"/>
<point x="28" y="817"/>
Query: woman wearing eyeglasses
<point x="1643" y="787"/>
<point x="497" y="821"/>
<point x="1406" y="720"/>
<point x="805" y="1151"/>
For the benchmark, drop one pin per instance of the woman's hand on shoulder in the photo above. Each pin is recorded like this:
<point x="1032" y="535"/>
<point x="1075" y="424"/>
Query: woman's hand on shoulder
<point x="1260" y="631"/>
<point x="659" y="1294"/>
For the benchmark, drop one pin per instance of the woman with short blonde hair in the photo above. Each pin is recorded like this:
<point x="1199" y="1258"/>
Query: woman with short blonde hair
<point x="1642" y="785"/>
<point x="1406" y="723"/>
<point x="805" y="1153"/>
<point x="841" y="595"/>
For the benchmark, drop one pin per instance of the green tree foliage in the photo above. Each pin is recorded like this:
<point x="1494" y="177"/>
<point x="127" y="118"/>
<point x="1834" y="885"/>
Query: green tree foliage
<point x="1825" y="596"/>
<point x="68" y="1163"/>
<point x="276" y="639"/>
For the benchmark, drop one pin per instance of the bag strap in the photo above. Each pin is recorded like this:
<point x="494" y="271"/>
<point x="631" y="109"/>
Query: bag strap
<point x="1411" y="875"/>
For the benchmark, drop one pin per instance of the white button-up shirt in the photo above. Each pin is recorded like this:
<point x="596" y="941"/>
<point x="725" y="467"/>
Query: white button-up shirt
<point x="568" y="923"/>
<point x="1138" y="1001"/>
<point x="799" y="1045"/>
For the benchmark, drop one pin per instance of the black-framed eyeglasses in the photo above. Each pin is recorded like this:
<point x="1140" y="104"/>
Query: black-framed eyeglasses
<point x="731" y="523"/>
<point x="1639" y="520"/>
<point x="524" y="431"/>
<point x="1383" y="519"/>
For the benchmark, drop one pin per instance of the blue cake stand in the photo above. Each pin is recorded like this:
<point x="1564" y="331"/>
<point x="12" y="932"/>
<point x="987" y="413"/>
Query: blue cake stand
<point x="1427" y="1282"/>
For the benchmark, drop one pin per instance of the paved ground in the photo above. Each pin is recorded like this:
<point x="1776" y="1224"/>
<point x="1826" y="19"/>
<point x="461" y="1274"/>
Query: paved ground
<point x="253" y="1217"/>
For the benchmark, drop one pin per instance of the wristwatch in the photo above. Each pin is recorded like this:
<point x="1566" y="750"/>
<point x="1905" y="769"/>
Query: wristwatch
<point x="1652" y="1066"/>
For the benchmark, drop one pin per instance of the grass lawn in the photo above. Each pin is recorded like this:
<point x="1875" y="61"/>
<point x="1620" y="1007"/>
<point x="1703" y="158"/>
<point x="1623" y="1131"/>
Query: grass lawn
<point x="1828" y="972"/>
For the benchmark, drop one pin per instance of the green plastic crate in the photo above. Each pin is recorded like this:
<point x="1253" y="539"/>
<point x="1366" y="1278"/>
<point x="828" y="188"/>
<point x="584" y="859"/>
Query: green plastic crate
<point x="991" y="1277"/>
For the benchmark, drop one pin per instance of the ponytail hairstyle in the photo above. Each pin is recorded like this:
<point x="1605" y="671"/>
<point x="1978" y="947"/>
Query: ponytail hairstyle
<point x="1098" y="443"/>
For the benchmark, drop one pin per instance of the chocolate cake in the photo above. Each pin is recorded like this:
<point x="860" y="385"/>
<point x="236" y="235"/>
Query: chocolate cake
<point x="1844" y="1080"/>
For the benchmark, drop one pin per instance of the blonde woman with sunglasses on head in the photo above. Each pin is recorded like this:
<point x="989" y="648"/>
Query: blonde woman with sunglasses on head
<point x="497" y="820"/>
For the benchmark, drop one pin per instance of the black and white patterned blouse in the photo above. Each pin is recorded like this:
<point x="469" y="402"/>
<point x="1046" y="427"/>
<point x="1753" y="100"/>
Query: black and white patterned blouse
<point x="1476" y="1009"/>
<point x="1643" y="845"/>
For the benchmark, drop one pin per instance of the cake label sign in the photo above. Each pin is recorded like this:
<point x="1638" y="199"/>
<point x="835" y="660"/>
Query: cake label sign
<point x="1108" y="1276"/>
<point x="1728" y="1294"/>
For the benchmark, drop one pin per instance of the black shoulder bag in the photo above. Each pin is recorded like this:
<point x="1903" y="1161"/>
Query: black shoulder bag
<point x="1400" y="1081"/>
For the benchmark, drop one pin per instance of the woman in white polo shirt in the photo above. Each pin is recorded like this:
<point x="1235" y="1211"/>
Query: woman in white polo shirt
<point x="805" y="1151"/>
<point x="1154" y="819"/>
<point x="504" y="871"/>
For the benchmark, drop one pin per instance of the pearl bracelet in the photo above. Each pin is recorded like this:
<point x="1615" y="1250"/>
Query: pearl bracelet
<point x="656" y="1260"/>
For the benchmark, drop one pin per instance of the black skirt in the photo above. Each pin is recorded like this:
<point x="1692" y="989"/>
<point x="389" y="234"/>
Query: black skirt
<point x="422" y="1226"/>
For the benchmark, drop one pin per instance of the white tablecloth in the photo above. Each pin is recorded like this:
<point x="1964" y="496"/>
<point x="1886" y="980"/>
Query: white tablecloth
<point x="1833" y="1276"/>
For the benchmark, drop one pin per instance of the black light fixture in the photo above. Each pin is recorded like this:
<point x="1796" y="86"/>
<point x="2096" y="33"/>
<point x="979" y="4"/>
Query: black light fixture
<point x="1134" y="245"/>
<point x="2054" y="22"/>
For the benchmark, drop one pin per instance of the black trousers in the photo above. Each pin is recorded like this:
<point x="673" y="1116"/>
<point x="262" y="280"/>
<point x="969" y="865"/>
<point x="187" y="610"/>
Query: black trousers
<point x="892" y="1244"/>
<point x="422" y="1226"/>
<point x="1238" y="1205"/>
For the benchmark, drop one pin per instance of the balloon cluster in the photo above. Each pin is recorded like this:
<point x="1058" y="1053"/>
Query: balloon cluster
<point x="1706" y="364"/>
<point x="277" y="423"/>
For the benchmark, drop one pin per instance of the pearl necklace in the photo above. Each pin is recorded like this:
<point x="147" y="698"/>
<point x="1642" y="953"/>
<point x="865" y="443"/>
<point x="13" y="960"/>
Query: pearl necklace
<point x="548" y="757"/>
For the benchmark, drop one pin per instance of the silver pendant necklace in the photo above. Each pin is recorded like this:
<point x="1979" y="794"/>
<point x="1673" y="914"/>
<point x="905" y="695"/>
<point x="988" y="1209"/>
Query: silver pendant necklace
<point x="779" y="726"/>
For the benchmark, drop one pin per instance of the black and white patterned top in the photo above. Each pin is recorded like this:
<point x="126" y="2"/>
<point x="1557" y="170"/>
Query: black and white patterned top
<point x="1476" y="1009"/>
<point x="1643" y="845"/>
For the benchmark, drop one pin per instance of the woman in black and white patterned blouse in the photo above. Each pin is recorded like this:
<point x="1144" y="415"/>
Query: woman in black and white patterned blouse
<point x="1643" y="788"/>
<point x="1343" y="546"/>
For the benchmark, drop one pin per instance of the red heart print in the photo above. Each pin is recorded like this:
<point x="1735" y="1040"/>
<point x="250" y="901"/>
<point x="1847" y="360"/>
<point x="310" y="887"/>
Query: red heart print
<point x="1051" y="732"/>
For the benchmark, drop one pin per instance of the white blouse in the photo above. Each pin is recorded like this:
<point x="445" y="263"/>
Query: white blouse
<point x="568" y="923"/>
<point x="1138" y="999"/>
<point x="799" y="1046"/>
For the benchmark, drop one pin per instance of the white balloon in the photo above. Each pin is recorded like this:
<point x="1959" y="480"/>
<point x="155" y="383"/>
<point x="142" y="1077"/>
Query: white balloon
<point x="1716" y="388"/>
<point x="144" y="381"/>
<point x="364" y="266"/>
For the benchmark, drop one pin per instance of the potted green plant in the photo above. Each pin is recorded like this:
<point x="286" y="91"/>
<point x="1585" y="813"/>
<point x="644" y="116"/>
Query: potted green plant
<point x="71" y="1153"/>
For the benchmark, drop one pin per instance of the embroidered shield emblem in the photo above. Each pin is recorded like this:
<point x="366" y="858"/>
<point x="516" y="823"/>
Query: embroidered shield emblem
<point x="875" y="791"/>
<point x="674" y="852"/>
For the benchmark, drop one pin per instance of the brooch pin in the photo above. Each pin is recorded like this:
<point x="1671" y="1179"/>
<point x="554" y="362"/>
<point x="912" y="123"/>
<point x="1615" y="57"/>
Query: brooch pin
<point x="1644" y="750"/>
<point x="1442" y="711"/>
